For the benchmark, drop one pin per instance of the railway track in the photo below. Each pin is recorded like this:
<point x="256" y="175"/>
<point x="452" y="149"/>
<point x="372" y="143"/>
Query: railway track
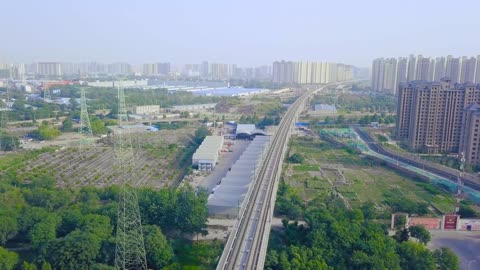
<point x="246" y="246"/>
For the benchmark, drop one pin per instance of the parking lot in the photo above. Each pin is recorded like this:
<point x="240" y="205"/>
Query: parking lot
<point x="209" y="180"/>
<point x="464" y="243"/>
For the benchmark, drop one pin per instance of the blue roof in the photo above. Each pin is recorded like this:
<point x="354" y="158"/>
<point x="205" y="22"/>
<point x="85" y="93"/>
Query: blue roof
<point x="325" y="107"/>
<point x="225" y="91"/>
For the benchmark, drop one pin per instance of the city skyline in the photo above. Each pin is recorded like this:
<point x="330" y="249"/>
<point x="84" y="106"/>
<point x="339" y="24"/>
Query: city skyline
<point x="189" y="32"/>
<point x="388" y="73"/>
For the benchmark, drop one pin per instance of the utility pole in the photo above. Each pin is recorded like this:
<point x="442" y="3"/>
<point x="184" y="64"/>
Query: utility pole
<point x="130" y="248"/>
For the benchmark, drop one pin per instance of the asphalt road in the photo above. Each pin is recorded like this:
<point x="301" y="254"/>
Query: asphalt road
<point x="465" y="244"/>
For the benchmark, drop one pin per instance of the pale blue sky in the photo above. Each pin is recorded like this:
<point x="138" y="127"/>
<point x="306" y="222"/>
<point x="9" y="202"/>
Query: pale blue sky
<point x="246" y="32"/>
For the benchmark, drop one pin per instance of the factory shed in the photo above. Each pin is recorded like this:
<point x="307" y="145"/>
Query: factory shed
<point x="227" y="196"/>
<point x="248" y="132"/>
<point x="207" y="154"/>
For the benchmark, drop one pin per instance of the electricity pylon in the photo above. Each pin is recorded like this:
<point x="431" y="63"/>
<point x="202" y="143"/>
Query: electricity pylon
<point x="47" y="97"/>
<point x="130" y="248"/>
<point x="4" y="137"/>
<point x="85" y="126"/>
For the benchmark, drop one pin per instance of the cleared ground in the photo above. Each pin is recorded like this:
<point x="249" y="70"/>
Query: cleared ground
<point x="357" y="178"/>
<point x="159" y="159"/>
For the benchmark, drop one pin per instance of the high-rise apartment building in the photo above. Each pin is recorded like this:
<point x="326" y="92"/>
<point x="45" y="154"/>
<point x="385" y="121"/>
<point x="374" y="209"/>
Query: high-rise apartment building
<point x="378" y="70"/>
<point x="310" y="72"/>
<point x="429" y="114"/>
<point x="452" y="68"/>
<point x="439" y="72"/>
<point x="422" y="68"/>
<point x="470" y="136"/>
<point x="49" y="69"/>
<point x="467" y="70"/>
<point x="477" y="70"/>
<point x="419" y="68"/>
<point x="401" y="76"/>
<point x="411" y="68"/>
<point x="119" y="68"/>
<point x="150" y="69"/>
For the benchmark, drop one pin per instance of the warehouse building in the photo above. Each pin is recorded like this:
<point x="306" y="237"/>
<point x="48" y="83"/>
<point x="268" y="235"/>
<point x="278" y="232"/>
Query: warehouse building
<point x="247" y="132"/>
<point x="207" y="154"/>
<point x="194" y="107"/>
<point x="228" y="196"/>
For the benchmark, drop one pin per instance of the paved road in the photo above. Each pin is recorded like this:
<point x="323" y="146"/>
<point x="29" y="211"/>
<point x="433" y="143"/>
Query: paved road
<point x="465" y="244"/>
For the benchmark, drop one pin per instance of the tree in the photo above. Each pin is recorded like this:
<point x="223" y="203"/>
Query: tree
<point x="159" y="251"/>
<point x="8" y="142"/>
<point x="8" y="226"/>
<point x="28" y="266"/>
<point x="191" y="210"/>
<point x="402" y="235"/>
<point x="369" y="211"/>
<point x="201" y="133"/>
<point x="46" y="132"/>
<point x="77" y="251"/>
<point x="415" y="256"/>
<point x="46" y="266"/>
<point x="296" y="158"/>
<point x="67" y="124"/>
<point x="8" y="259"/>
<point x="466" y="211"/>
<point x="98" y="126"/>
<point x="420" y="233"/>
<point x="446" y="259"/>
<point x="400" y="221"/>
<point x="44" y="231"/>
<point x="97" y="225"/>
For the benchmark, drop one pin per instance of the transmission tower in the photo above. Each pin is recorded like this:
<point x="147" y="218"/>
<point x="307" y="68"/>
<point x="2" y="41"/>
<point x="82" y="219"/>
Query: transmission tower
<point x="85" y="126"/>
<point x="4" y="137"/>
<point x="47" y="97"/>
<point x="130" y="248"/>
<point x="459" y="195"/>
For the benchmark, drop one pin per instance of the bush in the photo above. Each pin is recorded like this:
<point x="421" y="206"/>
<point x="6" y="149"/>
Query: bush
<point x="296" y="158"/>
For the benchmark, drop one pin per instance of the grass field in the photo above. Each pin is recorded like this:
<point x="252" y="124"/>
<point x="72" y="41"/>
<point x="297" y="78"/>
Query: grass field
<point x="366" y="179"/>
<point x="198" y="255"/>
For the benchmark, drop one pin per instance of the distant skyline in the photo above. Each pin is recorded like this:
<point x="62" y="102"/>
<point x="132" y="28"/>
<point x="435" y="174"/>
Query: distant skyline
<point x="247" y="33"/>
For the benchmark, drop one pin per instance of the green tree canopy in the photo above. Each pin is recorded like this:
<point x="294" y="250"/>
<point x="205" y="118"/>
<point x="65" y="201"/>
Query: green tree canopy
<point x="446" y="259"/>
<point x="419" y="232"/>
<point x="159" y="251"/>
<point x="8" y="259"/>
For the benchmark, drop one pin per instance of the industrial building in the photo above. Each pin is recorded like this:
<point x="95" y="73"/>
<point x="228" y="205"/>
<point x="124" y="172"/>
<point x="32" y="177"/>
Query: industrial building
<point x="325" y="109"/>
<point x="207" y="154"/>
<point x="227" y="197"/>
<point x="194" y="107"/>
<point x="146" y="109"/>
<point x="247" y="132"/>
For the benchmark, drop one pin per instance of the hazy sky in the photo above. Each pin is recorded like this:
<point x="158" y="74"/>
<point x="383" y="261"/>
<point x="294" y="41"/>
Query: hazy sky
<point x="245" y="32"/>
